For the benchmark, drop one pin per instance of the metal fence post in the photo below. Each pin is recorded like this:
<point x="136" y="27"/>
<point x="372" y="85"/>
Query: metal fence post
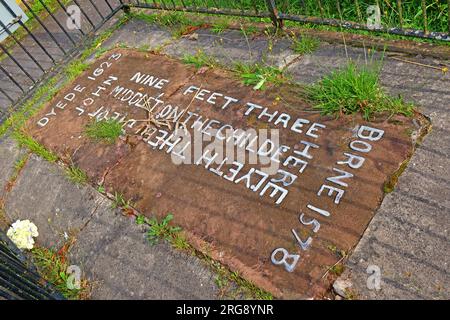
<point x="277" y="22"/>
<point x="125" y="7"/>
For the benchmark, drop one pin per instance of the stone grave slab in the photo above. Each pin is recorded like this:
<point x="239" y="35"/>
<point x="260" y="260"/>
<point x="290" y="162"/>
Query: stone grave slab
<point x="256" y="179"/>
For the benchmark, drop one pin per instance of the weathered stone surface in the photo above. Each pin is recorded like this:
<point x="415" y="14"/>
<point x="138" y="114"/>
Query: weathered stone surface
<point x="138" y="34"/>
<point x="241" y="226"/>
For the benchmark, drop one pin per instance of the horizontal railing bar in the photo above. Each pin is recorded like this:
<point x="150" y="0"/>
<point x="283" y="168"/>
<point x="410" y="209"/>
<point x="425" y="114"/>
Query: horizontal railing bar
<point x="225" y="11"/>
<point x="441" y="36"/>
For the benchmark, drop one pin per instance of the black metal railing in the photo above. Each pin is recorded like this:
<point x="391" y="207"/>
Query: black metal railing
<point x="416" y="18"/>
<point x="18" y="277"/>
<point x="49" y="35"/>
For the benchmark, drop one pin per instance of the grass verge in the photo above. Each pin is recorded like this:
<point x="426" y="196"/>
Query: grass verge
<point x="354" y="89"/>
<point x="27" y="141"/>
<point x="304" y="45"/>
<point x="177" y="22"/>
<point x="76" y="175"/>
<point x="200" y="59"/>
<point x="259" y="75"/>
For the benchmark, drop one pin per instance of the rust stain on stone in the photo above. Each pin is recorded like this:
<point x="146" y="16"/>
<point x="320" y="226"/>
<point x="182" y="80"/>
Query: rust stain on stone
<point x="240" y="224"/>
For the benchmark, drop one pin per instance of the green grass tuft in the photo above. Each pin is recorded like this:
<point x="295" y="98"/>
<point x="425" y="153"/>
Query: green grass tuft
<point x="355" y="89"/>
<point x="77" y="175"/>
<point x="220" y="26"/>
<point x="305" y="44"/>
<point x="120" y="202"/>
<point x="76" y="68"/>
<point x="34" y="146"/>
<point x="200" y="59"/>
<point x="107" y="131"/>
<point x="258" y="75"/>
<point x="161" y="230"/>
<point x="53" y="267"/>
<point x="100" y="51"/>
<point x="177" y="22"/>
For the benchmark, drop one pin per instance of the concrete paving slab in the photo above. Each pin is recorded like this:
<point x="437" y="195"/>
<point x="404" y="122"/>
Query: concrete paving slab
<point x="232" y="46"/>
<point x="115" y="254"/>
<point x="44" y="195"/>
<point x="111" y="249"/>
<point x="137" y="33"/>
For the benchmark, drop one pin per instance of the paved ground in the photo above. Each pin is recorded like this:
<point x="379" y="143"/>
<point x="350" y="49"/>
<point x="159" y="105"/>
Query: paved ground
<point x="408" y="238"/>
<point x="110" y="248"/>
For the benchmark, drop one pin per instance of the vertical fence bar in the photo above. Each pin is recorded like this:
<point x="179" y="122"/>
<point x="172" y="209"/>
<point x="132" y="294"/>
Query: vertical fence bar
<point x="21" y="45"/>
<point x="319" y="2"/>
<point x="68" y="16"/>
<point x="277" y="22"/>
<point x="448" y="15"/>
<point x="400" y="12"/>
<point x="6" y="95"/>
<point x="56" y="20"/>
<point x="109" y="5"/>
<point x="84" y="14"/>
<point x="96" y="9"/>
<point x="43" y="26"/>
<point x="20" y="67"/>
<point x="425" y="18"/>
<point x="358" y="10"/>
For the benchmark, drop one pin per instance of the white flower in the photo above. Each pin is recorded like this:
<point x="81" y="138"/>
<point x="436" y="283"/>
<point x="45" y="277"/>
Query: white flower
<point x="22" y="233"/>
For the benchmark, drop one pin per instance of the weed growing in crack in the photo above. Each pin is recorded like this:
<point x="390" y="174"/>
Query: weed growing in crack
<point x="144" y="48"/>
<point x="100" y="51"/>
<point x="220" y="26"/>
<point x="161" y="230"/>
<point x="52" y="265"/>
<point x="354" y="89"/>
<point x="178" y="22"/>
<point x="76" y="175"/>
<point x="101" y="189"/>
<point x="258" y="75"/>
<point x="305" y="44"/>
<point x="200" y="59"/>
<point x="107" y="131"/>
<point x="76" y="68"/>
<point x="24" y="140"/>
<point x="120" y="202"/>
<point x="19" y="165"/>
